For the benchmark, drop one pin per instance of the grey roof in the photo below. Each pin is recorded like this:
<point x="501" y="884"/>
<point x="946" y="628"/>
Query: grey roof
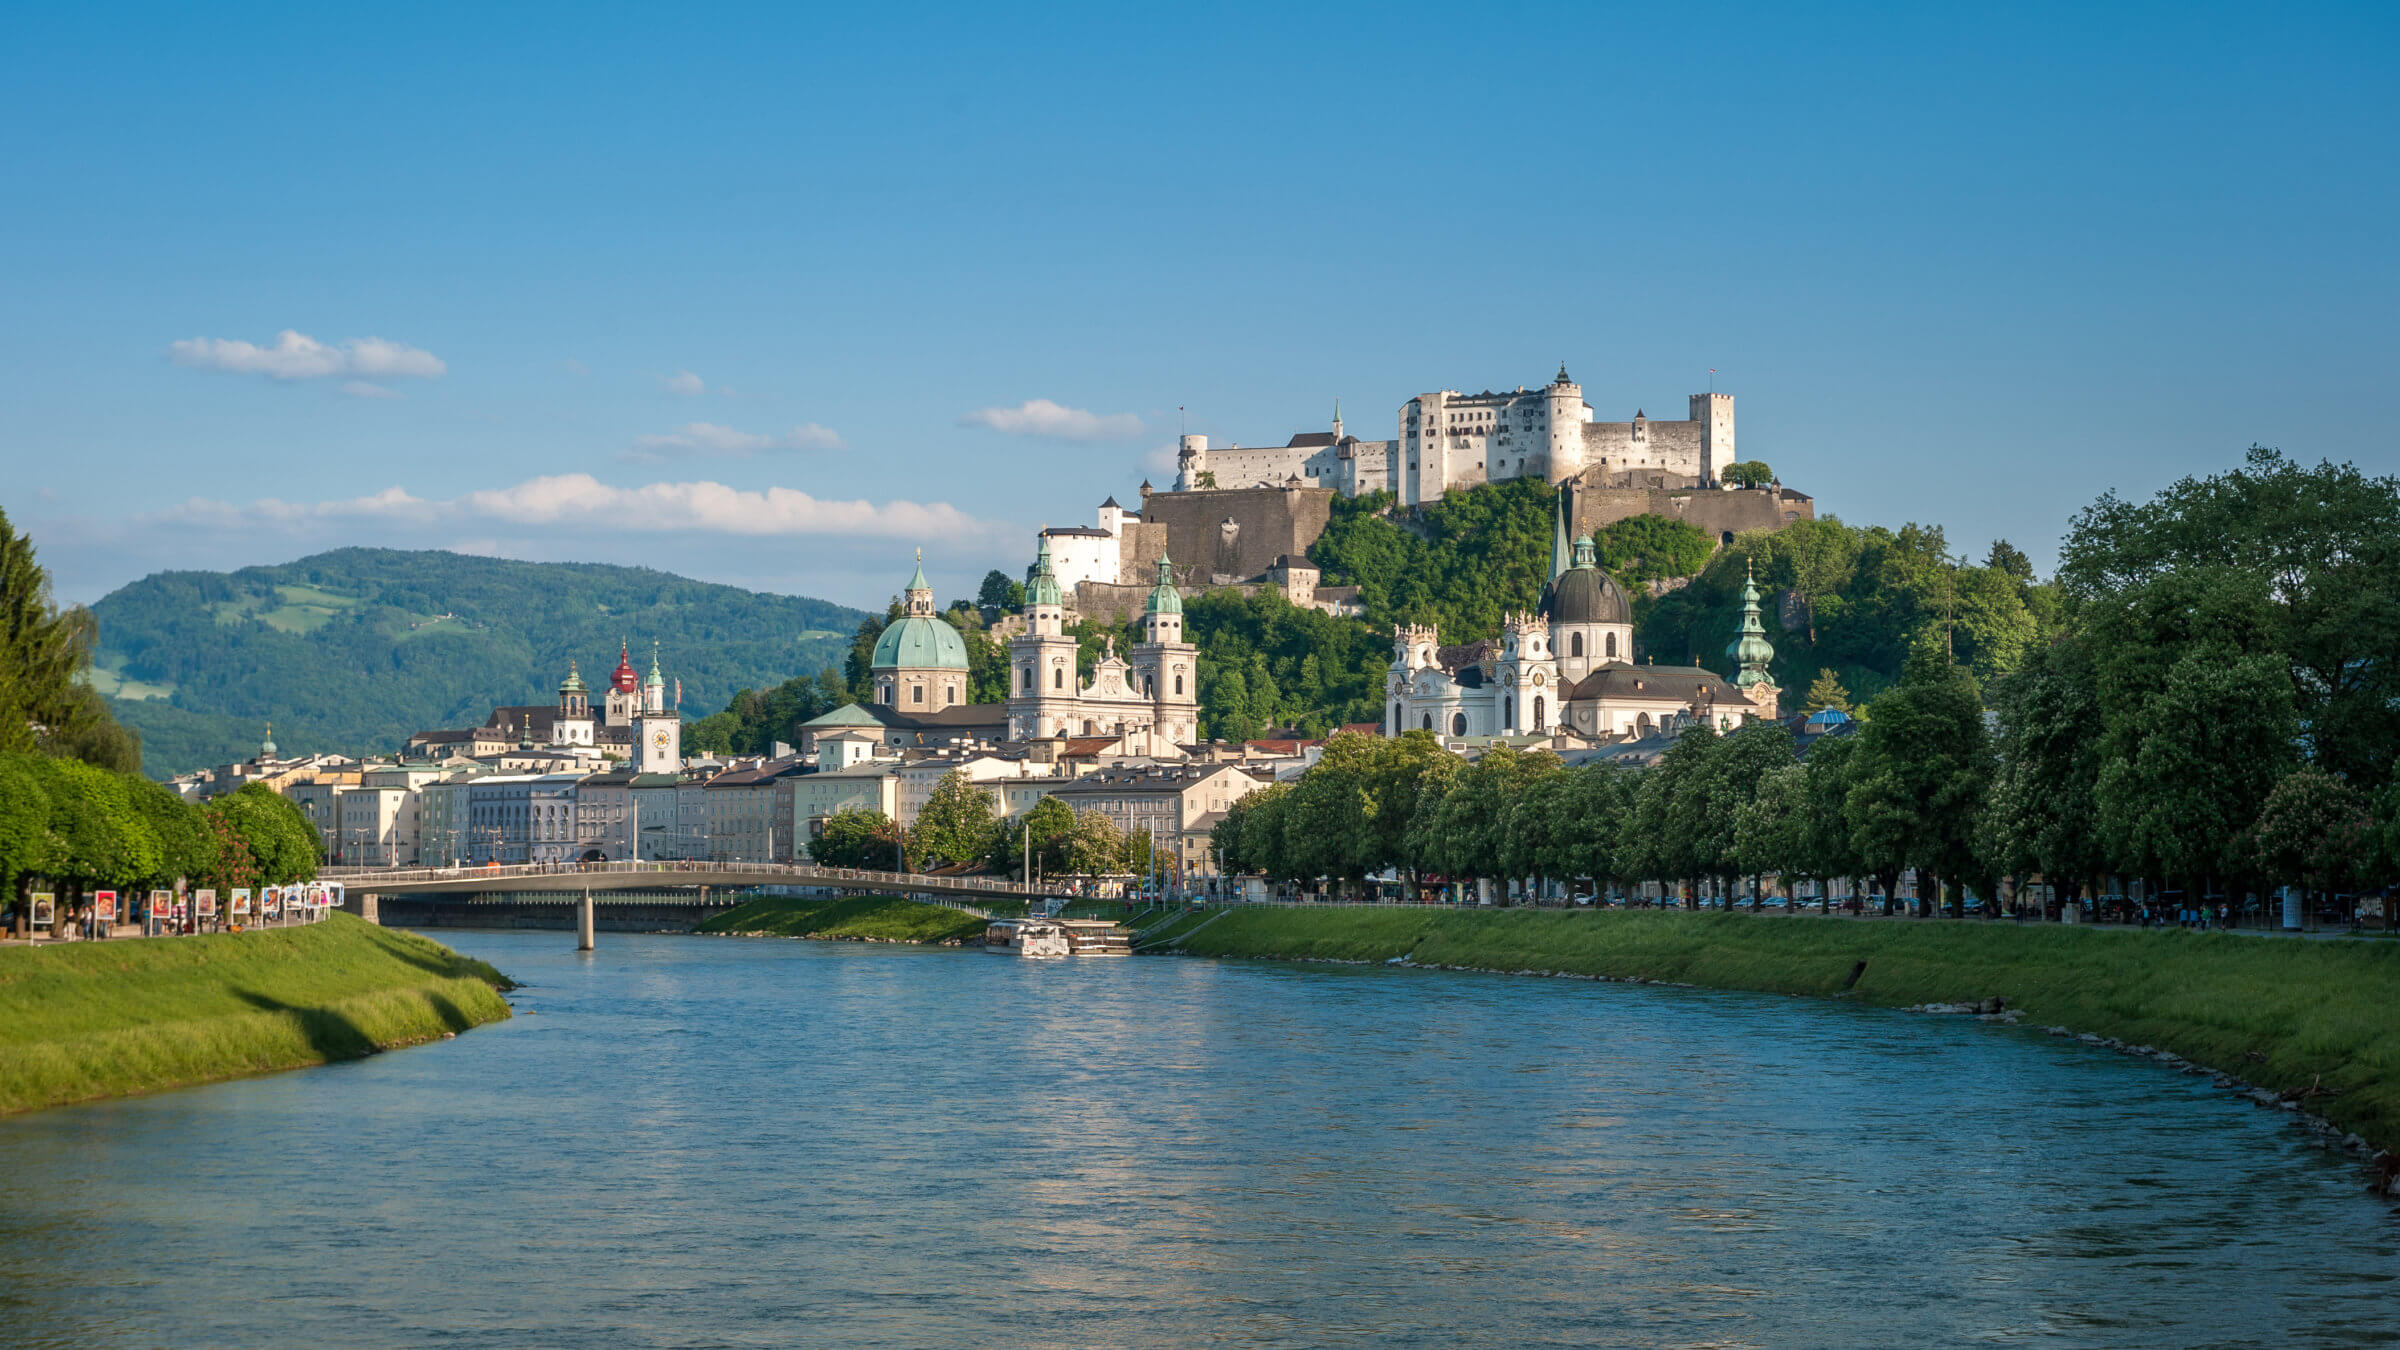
<point x="1306" y="438"/>
<point x="1111" y="502"/>
<point x="1686" y="684"/>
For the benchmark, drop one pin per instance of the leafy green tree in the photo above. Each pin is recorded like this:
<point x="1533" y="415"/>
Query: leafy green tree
<point x="1924" y="765"/>
<point x="2323" y="546"/>
<point x="1095" y="847"/>
<point x="2041" y="816"/>
<point x="955" y="825"/>
<point x="1250" y="840"/>
<point x="1823" y="838"/>
<point x="1047" y="825"/>
<point x="1471" y="828"/>
<point x="1770" y="829"/>
<point x="282" y="844"/>
<point x="1645" y="548"/>
<point x="24" y="824"/>
<point x="858" y="838"/>
<point x="187" y="848"/>
<point x="1001" y="593"/>
<point x="97" y="837"/>
<point x="2315" y="832"/>
<point x="1749" y="473"/>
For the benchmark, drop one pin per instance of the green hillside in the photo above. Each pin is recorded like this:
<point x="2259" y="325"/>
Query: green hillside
<point x="356" y="649"/>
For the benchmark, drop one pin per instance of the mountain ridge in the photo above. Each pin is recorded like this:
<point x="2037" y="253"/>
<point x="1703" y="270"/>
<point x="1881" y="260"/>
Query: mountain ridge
<point x="355" y="649"/>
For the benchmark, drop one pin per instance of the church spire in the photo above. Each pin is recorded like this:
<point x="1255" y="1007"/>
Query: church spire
<point x="920" y="591"/>
<point x="1750" y="652"/>
<point x="1559" y="559"/>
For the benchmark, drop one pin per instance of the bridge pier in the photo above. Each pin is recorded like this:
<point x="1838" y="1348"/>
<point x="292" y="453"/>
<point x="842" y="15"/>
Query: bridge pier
<point x="368" y="910"/>
<point x="583" y="922"/>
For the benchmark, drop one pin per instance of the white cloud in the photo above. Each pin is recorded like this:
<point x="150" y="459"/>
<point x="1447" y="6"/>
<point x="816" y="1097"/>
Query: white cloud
<point x="1165" y="460"/>
<point x="1041" y="417"/>
<point x="297" y="356"/>
<point x="580" y="501"/>
<point x="708" y="438"/>
<point x="685" y="383"/>
<point x="362" y="389"/>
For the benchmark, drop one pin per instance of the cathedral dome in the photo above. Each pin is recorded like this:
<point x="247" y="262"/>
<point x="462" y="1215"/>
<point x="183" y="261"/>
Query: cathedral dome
<point x="919" y="642"/>
<point x="1587" y="595"/>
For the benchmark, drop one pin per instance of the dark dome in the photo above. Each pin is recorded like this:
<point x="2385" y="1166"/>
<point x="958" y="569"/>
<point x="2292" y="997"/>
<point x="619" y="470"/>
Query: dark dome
<point x="1587" y="595"/>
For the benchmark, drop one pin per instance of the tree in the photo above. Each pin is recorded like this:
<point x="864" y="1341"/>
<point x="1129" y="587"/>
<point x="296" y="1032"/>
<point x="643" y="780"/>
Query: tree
<point x="1648" y="547"/>
<point x="2009" y="560"/>
<point x="2322" y="546"/>
<point x="280" y="841"/>
<point x="2041" y="816"/>
<point x="2314" y="832"/>
<point x="1095" y="847"/>
<point x="955" y="823"/>
<point x="858" y="838"/>
<point x="1826" y="691"/>
<point x="97" y="838"/>
<point x="44" y="651"/>
<point x="1924" y="764"/>
<point x="24" y="824"/>
<point x="1001" y="592"/>
<point x="1769" y="830"/>
<point x="1045" y="827"/>
<point x="1822" y="833"/>
<point x="1749" y="473"/>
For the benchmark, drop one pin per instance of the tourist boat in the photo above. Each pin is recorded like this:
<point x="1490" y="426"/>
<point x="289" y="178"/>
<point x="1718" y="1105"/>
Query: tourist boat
<point x="1057" y="937"/>
<point x="1027" y="937"/>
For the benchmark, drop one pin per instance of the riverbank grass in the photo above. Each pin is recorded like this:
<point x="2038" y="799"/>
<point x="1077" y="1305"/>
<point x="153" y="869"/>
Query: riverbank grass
<point x="104" y="1019"/>
<point x="863" y="918"/>
<point x="2281" y="1013"/>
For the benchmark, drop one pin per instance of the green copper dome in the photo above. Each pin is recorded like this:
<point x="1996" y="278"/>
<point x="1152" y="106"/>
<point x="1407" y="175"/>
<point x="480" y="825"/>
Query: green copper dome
<point x="1164" y="599"/>
<point x="919" y="642"/>
<point x="1042" y="587"/>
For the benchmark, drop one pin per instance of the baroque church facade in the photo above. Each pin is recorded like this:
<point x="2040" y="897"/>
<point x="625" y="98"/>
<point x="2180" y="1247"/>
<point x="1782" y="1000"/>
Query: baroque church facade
<point x="1152" y="701"/>
<point x="1569" y="667"/>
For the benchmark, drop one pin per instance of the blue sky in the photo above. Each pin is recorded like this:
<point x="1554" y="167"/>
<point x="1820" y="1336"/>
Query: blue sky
<point x="724" y="293"/>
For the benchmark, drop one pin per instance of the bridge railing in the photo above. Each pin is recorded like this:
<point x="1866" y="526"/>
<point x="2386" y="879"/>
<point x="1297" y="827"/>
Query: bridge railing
<point x="366" y="878"/>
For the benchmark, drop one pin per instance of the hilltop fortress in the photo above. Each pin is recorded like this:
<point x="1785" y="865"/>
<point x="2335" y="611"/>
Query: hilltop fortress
<point x="1245" y="516"/>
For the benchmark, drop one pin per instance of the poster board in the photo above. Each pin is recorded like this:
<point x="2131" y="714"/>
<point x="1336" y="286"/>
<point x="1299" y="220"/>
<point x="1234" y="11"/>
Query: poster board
<point x="204" y="903"/>
<point x="45" y="908"/>
<point x="270" y="901"/>
<point x="333" y="895"/>
<point x="104" y="906"/>
<point x="162" y="904"/>
<point x="241" y="902"/>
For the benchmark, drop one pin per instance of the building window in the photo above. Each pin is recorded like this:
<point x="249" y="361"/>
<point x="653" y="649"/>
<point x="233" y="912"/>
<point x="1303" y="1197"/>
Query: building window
<point x="916" y="693"/>
<point x="1179" y="686"/>
<point x="1458" y="724"/>
<point x="1429" y="721"/>
<point x="1612" y="645"/>
<point x="1538" y="724"/>
<point x="1575" y="644"/>
<point x="1508" y="711"/>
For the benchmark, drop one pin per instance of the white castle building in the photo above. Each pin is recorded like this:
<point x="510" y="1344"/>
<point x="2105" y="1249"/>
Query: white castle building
<point x="1153" y="702"/>
<point x="1447" y="440"/>
<point x="1569" y="666"/>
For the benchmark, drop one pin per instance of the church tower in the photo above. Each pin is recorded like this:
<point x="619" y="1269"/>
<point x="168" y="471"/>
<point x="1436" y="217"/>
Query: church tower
<point x="1528" y="676"/>
<point x="657" y="728"/>
<point x="1044" y="687"/>
<point x="1750" y="653"/>
<point x="1168" y="667"/>
<point x="624" y="697"/>
<point x="573" y="725"/>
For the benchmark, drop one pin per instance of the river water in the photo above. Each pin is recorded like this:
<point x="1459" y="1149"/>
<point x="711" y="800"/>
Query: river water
<point x="688" y="1141"/>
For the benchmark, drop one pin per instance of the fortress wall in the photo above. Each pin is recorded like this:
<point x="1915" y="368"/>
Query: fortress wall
<point x="1237" y="533"/>
<point x="1712" y="511"/>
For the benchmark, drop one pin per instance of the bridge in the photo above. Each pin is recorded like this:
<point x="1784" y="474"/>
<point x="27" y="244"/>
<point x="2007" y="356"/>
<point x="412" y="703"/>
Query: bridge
<point x="363" y="887"/>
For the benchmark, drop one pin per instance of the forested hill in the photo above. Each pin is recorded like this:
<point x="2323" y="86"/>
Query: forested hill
<point x="355" y="649"/>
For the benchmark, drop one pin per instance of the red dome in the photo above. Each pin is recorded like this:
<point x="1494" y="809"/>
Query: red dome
<point x="622" y="679"/>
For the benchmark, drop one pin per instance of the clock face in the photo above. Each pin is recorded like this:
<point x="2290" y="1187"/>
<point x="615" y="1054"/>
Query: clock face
<point x="659" y="739"/>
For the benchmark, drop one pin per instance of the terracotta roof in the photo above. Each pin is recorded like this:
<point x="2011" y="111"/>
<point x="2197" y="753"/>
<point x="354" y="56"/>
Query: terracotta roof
<point x="1085" y="747"/>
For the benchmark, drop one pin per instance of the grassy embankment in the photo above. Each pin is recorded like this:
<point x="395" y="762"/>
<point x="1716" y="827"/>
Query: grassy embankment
<point x="864" y="918"/>
<point x="103" y="1019"/>
<point x="2276" y="1012"/>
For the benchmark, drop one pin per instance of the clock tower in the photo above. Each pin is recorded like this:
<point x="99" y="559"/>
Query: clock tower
<point x="657" y="728"/>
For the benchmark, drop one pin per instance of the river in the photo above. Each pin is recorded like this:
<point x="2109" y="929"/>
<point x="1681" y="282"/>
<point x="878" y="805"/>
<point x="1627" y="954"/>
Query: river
<point x="686" y="1141"/>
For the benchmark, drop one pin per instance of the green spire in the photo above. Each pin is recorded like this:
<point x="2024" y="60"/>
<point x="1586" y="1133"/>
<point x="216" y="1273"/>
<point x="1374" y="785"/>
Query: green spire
<point x="573" y="684"/>
<point x="655" y="677"/>
<point x="1164" y="598"/>
<point x="1587" y="554"/>
<point x="1558" y="538"/>
<point x="1750" y="652"/>
<point x="918" y="582"/>
<point x="1041" y="588"/>
<point x="266" y="748"/>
